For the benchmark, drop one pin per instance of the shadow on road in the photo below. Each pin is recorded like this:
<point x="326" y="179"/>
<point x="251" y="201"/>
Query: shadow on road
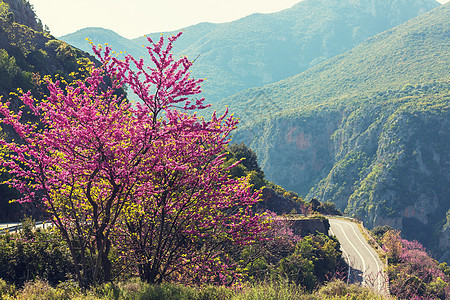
<point x="356" y="276"/>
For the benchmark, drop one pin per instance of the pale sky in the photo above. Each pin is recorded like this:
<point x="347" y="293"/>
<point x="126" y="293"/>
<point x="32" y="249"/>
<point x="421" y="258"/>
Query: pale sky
<point x="134" y="18"/>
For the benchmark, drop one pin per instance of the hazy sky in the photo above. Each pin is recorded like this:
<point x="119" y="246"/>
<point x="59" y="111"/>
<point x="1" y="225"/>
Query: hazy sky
<point x="133" y="18"/>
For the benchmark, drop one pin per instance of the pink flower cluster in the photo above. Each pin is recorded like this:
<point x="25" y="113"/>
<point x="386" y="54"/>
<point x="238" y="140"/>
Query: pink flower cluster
<point x="148" y="178"/>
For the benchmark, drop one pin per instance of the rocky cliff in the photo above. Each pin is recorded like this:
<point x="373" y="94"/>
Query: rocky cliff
<point x="384" y="160"/>
<point x="368" y="130"/>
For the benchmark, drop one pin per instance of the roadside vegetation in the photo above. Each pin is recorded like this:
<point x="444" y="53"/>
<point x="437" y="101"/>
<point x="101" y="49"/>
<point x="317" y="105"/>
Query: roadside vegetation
<point x="135" y="289"/>
<point x="149" y="201"/>
<point x="142" y="196"/>
<point x="413" y="274"/>
<point x="36" y="264"/>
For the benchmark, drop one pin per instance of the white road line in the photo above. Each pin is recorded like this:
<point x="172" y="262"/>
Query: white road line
<point x="346" y="256"/>
<point x="374" y="259"/>
<point x="360" y="256"/>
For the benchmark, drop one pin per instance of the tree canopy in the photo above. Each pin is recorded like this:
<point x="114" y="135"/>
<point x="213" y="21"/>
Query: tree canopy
<point x="148" y="178"/>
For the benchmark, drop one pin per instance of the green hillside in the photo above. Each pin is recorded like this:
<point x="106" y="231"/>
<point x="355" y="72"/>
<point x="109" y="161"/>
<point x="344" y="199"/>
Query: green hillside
<point x="27" y="54"/>
<point x="368" y="129"/>
<point x="265" y="48"/>
<point x="103" y="36"/>
<point x="415" y="52"/>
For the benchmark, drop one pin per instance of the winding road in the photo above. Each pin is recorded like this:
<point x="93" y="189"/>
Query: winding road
<point x="365" y="265"/>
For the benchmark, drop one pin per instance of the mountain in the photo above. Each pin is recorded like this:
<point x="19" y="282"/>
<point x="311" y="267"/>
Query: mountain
<point x="27" y="50"/>
<point x="368" y="129"/>
<point x="103" y="36"/>
<point x="265" y="48"/>
<point x="22" y="12"/>
<point x="27" y="54"/>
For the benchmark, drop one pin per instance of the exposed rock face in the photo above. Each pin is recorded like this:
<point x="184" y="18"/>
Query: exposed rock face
<point x="310" y="226"/>
<point x="395" y="172"/>
<point x="24" y="13"/>
<point x="294" y="151"/>
<point x="368" y="130"/>
<point x="384" y="162"/>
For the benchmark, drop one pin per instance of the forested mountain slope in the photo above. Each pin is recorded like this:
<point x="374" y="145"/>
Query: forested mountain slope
<point x="27" y="54"/>
<point x="368" y="129"/>
<point x="22" y="12"/>
<point x="264" y="48"/>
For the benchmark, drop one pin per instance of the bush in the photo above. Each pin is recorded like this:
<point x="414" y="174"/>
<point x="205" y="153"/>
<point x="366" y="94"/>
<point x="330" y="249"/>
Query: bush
<point x="316" y="260"/>
<point x="278" y="290"/>
<point x="10" y="17"/>
<point x="329" y="208"/>
<point x="338" y="288"/>
<point x="136" y="289"/>
<point x="379" y="231"/>
<point x="40" y="290"/>
<point x="412" y="272"/>
<point x="6" y="290"/>
<point x="34" y="253"/>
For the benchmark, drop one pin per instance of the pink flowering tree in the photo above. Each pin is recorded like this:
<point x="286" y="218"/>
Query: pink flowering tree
<point x="148" y="178"/>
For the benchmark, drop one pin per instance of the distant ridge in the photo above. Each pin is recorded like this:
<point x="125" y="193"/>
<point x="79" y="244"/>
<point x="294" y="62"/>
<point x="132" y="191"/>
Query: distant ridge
<point x="410" y="53"/>
<point x="264" y="48"/>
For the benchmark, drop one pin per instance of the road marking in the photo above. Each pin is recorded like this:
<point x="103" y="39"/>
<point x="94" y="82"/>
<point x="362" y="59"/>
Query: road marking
<point x="360" y="256"/>
<point x="376" y="262"/>
<point x="348" y="258"/>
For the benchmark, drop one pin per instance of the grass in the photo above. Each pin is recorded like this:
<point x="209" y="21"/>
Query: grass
<point x="135" y="289"/>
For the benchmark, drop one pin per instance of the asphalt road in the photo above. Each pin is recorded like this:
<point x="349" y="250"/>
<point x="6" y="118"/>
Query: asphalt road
<point x="365" y="265"/>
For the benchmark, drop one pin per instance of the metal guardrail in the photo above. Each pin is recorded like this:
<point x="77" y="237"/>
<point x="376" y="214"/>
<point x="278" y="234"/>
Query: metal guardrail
<point x="18" y="227"/>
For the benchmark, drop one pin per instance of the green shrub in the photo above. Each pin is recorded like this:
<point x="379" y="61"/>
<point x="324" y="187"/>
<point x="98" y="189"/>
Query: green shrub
<point x="316" y="260"/>
<point x="140" y="290"/>
<point x="10" y="17"/>
<point x="6" y="290"/>
<point x="279" y="290"/>
<point x="137" y="290"/>
<point x="338" y="289"/>
<point x="41" y="290"/>
<point x="34" y="253"/>
<point x="379" y="231"/>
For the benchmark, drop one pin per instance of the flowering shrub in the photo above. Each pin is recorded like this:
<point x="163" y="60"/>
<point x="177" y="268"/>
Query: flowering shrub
<point x="413" y="274"/>
<point x="260" y="260"/>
